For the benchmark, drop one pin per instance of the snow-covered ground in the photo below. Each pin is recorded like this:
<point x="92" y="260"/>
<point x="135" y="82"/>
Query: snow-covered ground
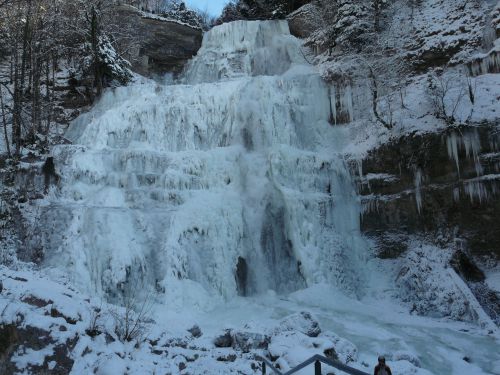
<point x="358" y="330"/>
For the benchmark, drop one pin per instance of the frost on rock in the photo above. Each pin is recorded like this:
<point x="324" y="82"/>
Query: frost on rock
<point x="444" y="31"/>
<point x="303" y="322"/>
<point x="431" y="287"/>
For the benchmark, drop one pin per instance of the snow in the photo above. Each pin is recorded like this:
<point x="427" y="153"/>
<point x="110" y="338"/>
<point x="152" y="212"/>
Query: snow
<point x="359" y="331"/>
<point x="23" y="358"/>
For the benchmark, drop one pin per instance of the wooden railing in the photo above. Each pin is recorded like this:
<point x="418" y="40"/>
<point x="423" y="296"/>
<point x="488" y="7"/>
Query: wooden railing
<point x="317" y="360"/>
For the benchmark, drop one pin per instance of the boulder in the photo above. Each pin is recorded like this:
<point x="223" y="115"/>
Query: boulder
<point x="302" y="322"/>
<point x="305" y="20"/>
<point x="224" y="340"/>
<point x="246" y="341"/>
<point x="195" y="331"/>
<point x="242" y="340"/>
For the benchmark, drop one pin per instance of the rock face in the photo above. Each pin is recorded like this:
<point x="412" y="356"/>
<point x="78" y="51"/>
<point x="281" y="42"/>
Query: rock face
<point x="163" y="46"/>
<point x="14" y="338"/>
<point x="440" y="183"/>
<point x="443" y="187"/>
<point x="305" y="20"/>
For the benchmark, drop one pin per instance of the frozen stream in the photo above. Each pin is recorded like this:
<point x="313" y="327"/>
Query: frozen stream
<point x="375" y="327"/>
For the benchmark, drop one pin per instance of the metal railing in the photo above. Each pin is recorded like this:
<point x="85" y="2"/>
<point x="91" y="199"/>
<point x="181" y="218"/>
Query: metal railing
<point x="317" y="360"/>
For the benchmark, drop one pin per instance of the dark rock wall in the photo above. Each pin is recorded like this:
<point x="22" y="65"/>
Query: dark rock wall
<point x="161" y="46"/>
<point x="442" y="184"/>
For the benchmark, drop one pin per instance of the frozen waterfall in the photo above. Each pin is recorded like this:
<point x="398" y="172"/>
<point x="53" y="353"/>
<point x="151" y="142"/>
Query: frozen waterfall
<point x="230" y="183"/>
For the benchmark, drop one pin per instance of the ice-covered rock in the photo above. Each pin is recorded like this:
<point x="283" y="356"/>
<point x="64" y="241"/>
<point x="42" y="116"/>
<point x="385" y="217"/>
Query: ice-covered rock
<point x="224" y="340"/>
<point x="241" y="340"/>
<point x="431" y="286"/>
<point x="246" y="341"/>
<point x="302" y="322"/>
<point x="195" y="331"/>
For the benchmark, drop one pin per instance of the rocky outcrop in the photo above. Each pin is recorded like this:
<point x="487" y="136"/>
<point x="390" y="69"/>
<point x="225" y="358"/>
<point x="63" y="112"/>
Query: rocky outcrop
<point x="437" y="183"/>
<point x="444" y="188"/>
<point x="305" y="20"/>
<point x="15" y="339"/>
<point x="162" y="45"/>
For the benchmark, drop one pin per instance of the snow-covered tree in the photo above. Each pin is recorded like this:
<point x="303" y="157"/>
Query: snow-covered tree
<point x="38" y="36"/>
<point x="259" y="9"/>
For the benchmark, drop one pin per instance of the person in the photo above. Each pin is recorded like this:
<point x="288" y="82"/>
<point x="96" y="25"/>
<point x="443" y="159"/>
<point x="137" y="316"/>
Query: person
<point x="382" y="368"/>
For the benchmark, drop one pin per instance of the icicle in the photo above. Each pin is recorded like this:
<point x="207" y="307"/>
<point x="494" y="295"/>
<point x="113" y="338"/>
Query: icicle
<point x="452" y="146"/>
<point x="333" y="104"/>
<point x="370" y="204"/>
<point x="341" y="103"/>
<point x="359" y="164"/>
<point x="486" y="63"/>
<point x="472" y="145"/>
<point x="348" y="102"/>
<point x="476" y="191"/>
<point x="418" y="191"/>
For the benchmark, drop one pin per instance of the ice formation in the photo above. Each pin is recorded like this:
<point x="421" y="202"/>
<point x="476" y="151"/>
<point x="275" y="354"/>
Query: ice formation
<point x="227" y="184"/>
<point x="418" y="189"/>
<point x="470" y="142"/>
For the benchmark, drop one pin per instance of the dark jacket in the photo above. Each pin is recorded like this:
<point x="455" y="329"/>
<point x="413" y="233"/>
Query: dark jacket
<point x="380" y="367"/>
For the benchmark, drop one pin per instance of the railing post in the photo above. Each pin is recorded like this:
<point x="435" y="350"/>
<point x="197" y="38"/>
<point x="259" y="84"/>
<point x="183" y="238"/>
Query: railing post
<point x="317" y="368"/>
<point x="263" y="368"/>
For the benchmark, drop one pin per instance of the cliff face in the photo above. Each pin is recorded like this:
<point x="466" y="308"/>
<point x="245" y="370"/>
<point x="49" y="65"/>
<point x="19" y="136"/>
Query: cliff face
<point x="444" y="183"/>
<point x="162" y="45"/>
<point x="442" y="188"/>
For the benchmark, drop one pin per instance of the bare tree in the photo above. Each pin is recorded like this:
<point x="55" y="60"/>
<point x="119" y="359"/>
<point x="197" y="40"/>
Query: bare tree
<point x="131" y="322"/>
<point x="37" y="38"/>
<point x="446" y="92"/>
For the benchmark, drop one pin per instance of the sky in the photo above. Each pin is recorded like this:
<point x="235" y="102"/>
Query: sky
<point x="214" y="7"/>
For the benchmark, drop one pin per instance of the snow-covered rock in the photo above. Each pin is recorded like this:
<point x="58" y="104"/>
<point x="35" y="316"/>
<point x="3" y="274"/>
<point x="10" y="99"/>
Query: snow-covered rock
<point x="162" y="44"/>
<point x="303" y="322"/>
<point x="431" y="286"/>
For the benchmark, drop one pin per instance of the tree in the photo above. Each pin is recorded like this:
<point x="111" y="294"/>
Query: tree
<point x="259" y="9"/>
<point x="37" y="37"/>
<point x="132" y="320"/>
